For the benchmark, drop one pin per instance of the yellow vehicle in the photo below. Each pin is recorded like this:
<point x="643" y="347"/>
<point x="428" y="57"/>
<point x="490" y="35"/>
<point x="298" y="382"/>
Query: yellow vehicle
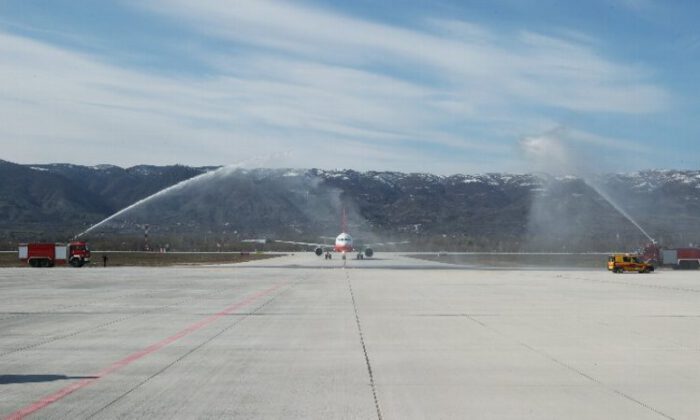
<point x="619" y="263"/>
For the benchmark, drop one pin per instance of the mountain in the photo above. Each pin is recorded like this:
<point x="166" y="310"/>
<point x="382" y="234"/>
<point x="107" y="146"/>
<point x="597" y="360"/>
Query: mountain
<point x="503" y="212"/>
<point x="48" y="202"/>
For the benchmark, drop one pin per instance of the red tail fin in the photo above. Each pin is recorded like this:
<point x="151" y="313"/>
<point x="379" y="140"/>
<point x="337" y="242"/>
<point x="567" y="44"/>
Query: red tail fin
<point x="344" y="222"/>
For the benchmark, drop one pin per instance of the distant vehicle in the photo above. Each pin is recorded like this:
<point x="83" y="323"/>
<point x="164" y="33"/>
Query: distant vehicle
<point x="343" y="244"/>
<point x="681" y="258"/>
<point x="619" y="263"/>
<point x="76" y="254"/>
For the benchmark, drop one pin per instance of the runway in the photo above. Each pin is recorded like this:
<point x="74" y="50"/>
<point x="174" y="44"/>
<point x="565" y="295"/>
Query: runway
<point x="390" y="338"/>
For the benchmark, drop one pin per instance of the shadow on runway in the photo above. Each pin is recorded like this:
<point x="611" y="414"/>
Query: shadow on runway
<point x="22" y="379"/>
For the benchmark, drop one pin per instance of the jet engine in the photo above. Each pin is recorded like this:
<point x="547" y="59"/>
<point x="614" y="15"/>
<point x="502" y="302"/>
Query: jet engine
<point x="369" y="252"/>
<point x="318" y="251"/>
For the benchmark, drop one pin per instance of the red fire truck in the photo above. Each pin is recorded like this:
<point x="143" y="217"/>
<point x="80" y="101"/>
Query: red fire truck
<point x="76" y="254"/>
<point x="682" y="258"/>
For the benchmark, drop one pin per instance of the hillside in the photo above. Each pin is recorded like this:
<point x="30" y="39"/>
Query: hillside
<point x="503" y="212"/>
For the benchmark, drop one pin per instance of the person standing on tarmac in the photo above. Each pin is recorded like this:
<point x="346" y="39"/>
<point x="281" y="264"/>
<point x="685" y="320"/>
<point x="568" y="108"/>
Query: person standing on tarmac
<point x="104" y="260"/>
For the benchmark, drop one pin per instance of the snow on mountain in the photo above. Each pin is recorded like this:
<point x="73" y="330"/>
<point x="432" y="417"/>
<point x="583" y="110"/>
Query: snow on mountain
<point x="489" y="211"/>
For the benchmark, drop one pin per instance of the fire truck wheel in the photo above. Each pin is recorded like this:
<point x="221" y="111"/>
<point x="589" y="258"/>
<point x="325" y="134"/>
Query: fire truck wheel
<point x="76" y="262"/>
<point x="33" y="263"/>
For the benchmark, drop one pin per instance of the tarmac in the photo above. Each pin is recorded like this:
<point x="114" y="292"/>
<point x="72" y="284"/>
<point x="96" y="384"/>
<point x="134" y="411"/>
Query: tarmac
<point x="387" y="338"/>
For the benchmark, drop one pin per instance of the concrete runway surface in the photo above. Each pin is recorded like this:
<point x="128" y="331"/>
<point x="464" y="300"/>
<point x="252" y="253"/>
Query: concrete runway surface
<point x="390" y="338"/>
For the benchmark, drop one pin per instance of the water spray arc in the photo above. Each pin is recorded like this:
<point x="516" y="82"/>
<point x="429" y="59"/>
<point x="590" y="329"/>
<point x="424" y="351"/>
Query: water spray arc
<point x="223" y="171"/>
<point x="617" y="207"/>
<point x="555" y="152"/>
<point x="160" y="193"/>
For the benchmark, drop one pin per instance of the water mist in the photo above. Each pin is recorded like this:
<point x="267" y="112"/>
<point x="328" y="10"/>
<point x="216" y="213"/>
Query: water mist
<point x="551" y="154"/>
<point x="199" y="179"/>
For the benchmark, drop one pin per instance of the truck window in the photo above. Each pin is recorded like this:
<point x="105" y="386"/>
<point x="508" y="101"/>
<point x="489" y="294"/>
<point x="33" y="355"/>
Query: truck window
<point x="626" y="259"/>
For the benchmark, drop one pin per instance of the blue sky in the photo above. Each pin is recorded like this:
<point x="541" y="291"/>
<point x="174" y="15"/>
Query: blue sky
<point x="436" y="86"/>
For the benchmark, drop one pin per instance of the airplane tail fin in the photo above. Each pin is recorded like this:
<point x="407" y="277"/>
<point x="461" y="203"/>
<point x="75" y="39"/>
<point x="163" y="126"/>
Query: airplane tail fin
<point x="344" y="221"/>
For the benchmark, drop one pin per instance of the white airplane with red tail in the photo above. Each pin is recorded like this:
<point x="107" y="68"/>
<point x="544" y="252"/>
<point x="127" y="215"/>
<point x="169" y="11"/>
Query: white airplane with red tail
<point x="343" y="243"/>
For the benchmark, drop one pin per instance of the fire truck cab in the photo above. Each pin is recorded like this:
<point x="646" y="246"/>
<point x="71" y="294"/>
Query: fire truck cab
<point x="619" y="263"/>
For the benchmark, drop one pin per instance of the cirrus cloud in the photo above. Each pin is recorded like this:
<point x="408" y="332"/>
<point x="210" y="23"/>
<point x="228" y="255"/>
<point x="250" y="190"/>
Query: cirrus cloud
<point x="337" y="90"/>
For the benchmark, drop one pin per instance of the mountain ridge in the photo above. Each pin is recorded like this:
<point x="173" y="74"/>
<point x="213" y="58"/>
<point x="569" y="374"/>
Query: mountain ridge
<point x="491" y="211"/>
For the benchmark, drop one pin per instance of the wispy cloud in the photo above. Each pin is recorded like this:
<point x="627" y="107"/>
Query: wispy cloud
<point x="637" y="5"/>
<point x="470" y="59"/>
<point x="341" y="91"/>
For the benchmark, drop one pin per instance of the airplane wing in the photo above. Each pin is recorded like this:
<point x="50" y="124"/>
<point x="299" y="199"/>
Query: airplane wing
<point x="255" y="241"/>
<point x="367" y="248"/>
<point x="384" y="243"/>
<point x="320" y="247"/>
<point x="279" y="241"/>
<point x="317" y="244"/>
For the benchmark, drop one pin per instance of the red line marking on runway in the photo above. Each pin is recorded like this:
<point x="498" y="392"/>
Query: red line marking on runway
<point x="63" y="392"/>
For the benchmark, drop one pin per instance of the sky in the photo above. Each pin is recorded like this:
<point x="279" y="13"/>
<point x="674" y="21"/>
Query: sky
<point x="416" y="86"/>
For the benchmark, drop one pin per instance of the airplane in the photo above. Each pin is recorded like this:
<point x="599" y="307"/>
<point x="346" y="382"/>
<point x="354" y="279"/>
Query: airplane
<point x="343" y="244"/>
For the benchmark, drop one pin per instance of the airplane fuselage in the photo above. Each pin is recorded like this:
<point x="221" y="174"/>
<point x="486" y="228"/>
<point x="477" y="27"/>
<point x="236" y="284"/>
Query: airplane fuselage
<point x="343" y="243"/>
